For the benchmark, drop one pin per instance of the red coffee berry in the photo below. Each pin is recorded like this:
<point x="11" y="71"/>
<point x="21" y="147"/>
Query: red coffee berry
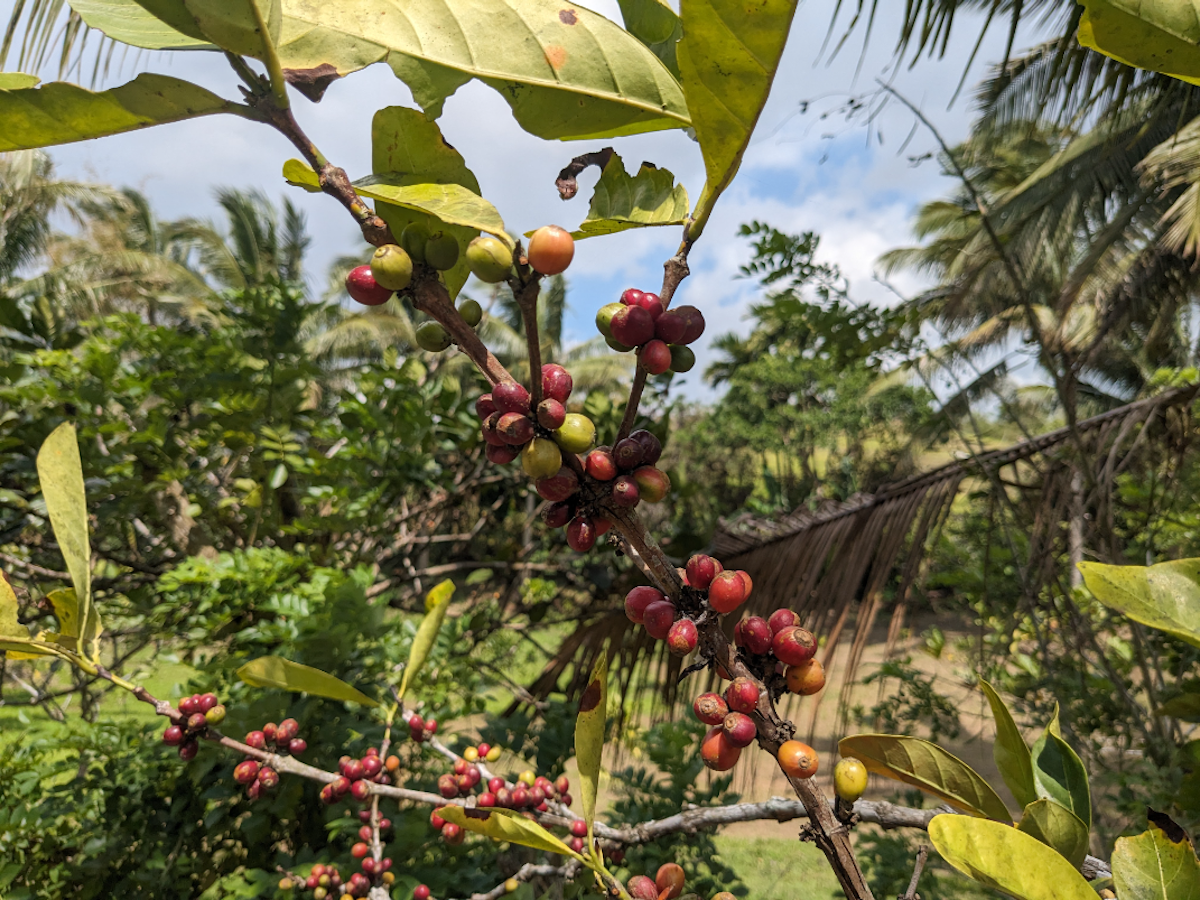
<point x="206" y="702"/>
<point x="328" y="797"/>
<point x="638" y="599"/>
<point x="353" y="769"/>
<point x="484" y="406"/>
<point x="739" y="728"/>
<point x="641" y="887"/>
<point x="671" y="326"/>
<point x="794" y="645"/>
<point x="556" y="382"/>
<point x="296" y="746"/>
<point x="631" y="296"/>
<point x="268" y="778"/>
<point x="501" y="456"/>
<point x="504" y="798"/>
<point x="487" y="798"/>
<point x="653" y="484"/>
<point x="710" y="708"/>
<point x="579" y="828"/>
<point x="601" y="465"/>
<point x="363" y="288"/>
<point x="197" y="722"/>
<point x="682" y="638"/>
<point x="372" y="766"/>
<point x="717" y="752"/>
<point x="515" y="429"/>
<point x="453" y="834"/>
<point x="658" y="618"/>
<point x="341" y="786"/>
<point x="269" y="731"/>
<point x="742" y="695"/>
<point x="494" y="784"/>
<point x="629" y="454"/>
<point x="288" y="729"/>
<point x="509" y="396"/>
<point x="695" y="326"/>
<point x="365" y="833"/>
<point x="360" y="790"/>
<point x="173" y="736"/>
<point x="562" y="784"/>
<point x="483" y="750"/>
<point x="359" y="850"/>
<point x="188" y="749"/>
<point x="550" y="250"/>
<point x="669" y="878"/>
<point x="781" y="619"/>
<point x="189" y="705"/>
<point x="254" y="790"/>
<point x="557" y="515"/>
<point x="701" y="570"/>
<point x="551" y="414"/>
<point x="655" y="357"/>
<point x="257" y="740"/>
<point x="369" y="866"/>
<point x="652" y="304"/>
<point x="436" y="821"/>
<point x="246" y="771"/>
<point x="447" y="786"/>
<point x="581" y="534"/>
<point x="625" y="492"/>
<point x="576" y="844"/>
<point x="421" y="892"/>
<point x="753" y="634"/>
<point x="632" y="326"/>
<point x="727" y="592"/>
<point x="558" y="487"/>
<point x="651" y="446"/>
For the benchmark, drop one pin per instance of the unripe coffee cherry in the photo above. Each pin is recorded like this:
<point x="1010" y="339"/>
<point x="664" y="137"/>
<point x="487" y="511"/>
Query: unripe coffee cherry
<point x="739" y="728"/>
<point x="541" y="458"/>
<point x="559" y="486"/>
<point x="441" y="251"/>
<point x="658" y="619"/>
<point x="753" y="635"/>
<point x="577" y="433"/>
<point x="392" y="267"/>
<point x="501" y="455"/>
<point x="216" y="715"/>
<point x="670" y="878"/>
<point x="600" y="464"/>
<point x="632" y="326"/>
<point x="557" y="515"/>
<point x="489" y="258"/>
<point x="793" y="645"/>
<point x="670" y="326"/>
<point x="807" y="678"/>
<point x="471" y="312"/>
<point x="681" y="639"/>
<point x="581" y="534"/>
<point x="551" y="414"/>
<point x="717" y="752"/>
<point x="655" y="357"/>
<point x="246" y="771"/>
<point x="173" y="736"/>
<point x="557" y="382"/>
<point x="617" y="345"/>
<point x="509" y="396"/>
<point x="515" y="429"/>
<point x="742" y="695"/>
<point x="604" y="318"/>
<point x="432" y="337"/>
<point x="727" y="592"/>
<point x="710" y="708"/>
<point x="682" y="359"/>
<point x="798" y="760"/>
<point x="392" y="763"/>
<point x="363" y="288"/>
<point x="653" y="484"/>
<point x="701" y="570"/>
<point x="849" y="779"/>
<point x="638" y="599"/>
<point x="625" y="492"/>
<point x="510" y="885"/>
<point x="642" y="887"/>
<point x="551" y="250"/>
<point x="412" y="240"/>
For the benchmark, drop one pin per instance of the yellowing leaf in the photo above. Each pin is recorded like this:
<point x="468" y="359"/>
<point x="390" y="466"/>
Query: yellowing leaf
<point x="14" y="80"/>
<point x="1153" y="867"/>
<point x="589" y="737"/>
<point x="1057" y="827"/>
<point x="1010" y="750"/>
<point x="1006" y="859"/>
<point x="131" y="23"/>
<point x="1165" y="596"/>
<point x="1159" y="35"/>
<point x="277" y="672"/>
<point x="622" y="201"/>
<point x="437" y="601"/>
<point x="928" y="767"/>
<point x="727" y="59"/>
<point x="66" y="610"/>
<point x="10" y="625"/>
<point x="506" y="825"/>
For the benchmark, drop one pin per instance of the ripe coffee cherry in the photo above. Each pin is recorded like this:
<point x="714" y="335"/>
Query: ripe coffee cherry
<point x="577" y="433"/>
<point x="651" y="304"/>
<point x="359" y="850"/>
<point x="188" y="749"/>
<point x="370" y="867"/>
<point x="579" y="828"/>
<point x="453" y="834"/>
<point x="632" y="326"/>
<point x="489" y="258"/>
<point x="556" y="382"/>
<point x="807" y="678"/>
<point x="504" y="798"/>
<point x="651" y="446"/>
<point x="600" y="464"/>
<point x="551" y="414"/>
<point x="742" y="695"/>
<point x="629" y="454"/>
<point x="727" y="592"/>
<point x="436" y="821"/>
<point x="471" y="312"/>
<point x="508" y="396"/>
<point x="576" y="844"/>
<point x="551" y="250"/>
<point x="653" y="484"/>
<point x="746" y="580"/>
<point x="604" y="318"/>
<point x="206" y="702"/>
<point x="365" y="832"/>
<point x="559" y="486"/>
<point x="739" y="728"/>
<point x="541" y="458"/>
<point x="638" y="599"/>
<point x="670" y="878"/>
<point x="352" y="769"/>
<point x="642" y="887"/>
<point x="658" y="619"/>
<point x="717" y="752"/>
<point x="268" y="731"/>
<point x="173" y="736"/>
<point x="441" y="250"/>
<point x="246" y="771"/>
<point x="257" y="740"/>
<point x="670" y="326"/>
<point x="701" y="570"/>
<point x="190" y="705"/>
<point x="793" y="645"/>
<point x="515" y="429"/>
<point x="328" y="797"/>
<point x="287" y="729"/>
<point x="710" y="708"/>
<point x="392" y="267"/>
<point x="363" y="288"/>
<point x="602" y="525"/>
<point x="501" y="456"/>
<point x="581" y="534"/>
<point x="447" y="786"/>
<point x="682" y="359"/>
<point x="372" y="766"/>
<point x="557" y="515"/>
<point x="655" y="357"/>
<point x="681" y="639"/>
<point x="197" y="722"/>
<point x="798" y="760"/>
<point x="849" y="779"/>
<point x="487" y="798"/>
<point x="432" y="337"/>
<point x="268" y="778"/>
<point x="392" y="763"/>
<point x="781" y="619"/>
<point x="483" y="749"/>
<point x="695" y="326"/>
<point x="625" y="492"/>
<point x="488" y="428"/>
<point x="296" y="746"/>
<point x="421" y="892"/>
<point x="631" y="297"/>
<point x="254" y="791"/>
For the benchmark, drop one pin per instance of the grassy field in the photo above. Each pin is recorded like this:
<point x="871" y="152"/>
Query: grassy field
<point x="779" y="868"/>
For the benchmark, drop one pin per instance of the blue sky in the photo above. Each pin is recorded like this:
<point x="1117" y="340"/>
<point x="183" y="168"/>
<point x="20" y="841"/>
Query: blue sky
<point x="800" y="173"/>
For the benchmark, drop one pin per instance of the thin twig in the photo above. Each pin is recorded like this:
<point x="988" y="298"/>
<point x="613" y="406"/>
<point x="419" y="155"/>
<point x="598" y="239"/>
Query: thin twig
<point x="911" y="893"/>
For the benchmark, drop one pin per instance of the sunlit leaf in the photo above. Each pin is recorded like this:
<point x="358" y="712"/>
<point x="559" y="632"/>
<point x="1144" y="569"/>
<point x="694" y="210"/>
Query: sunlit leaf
<point x="131" y="23"/>
<point x="10" y="625"/>
<point x="506" y="825"/>
<point x="622" y="201"/>
<point x="10" y="81"/>
<point x="1165" y="596"/>
<point x="1057" y="827"/>
<point x="277" y="672"/>
<point x="1010" y="750"/>
<point x="656" y="25"/>
<point x="928" y="767"/>
<point x="1151" y="866"/>
<point x="437" y="601"/>
<point x="1001" y="857"/>
<point x="589" y="737"/>
<point x="1159" y="35"/>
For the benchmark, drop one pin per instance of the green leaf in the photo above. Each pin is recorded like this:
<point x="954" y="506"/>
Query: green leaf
<point x="1153" y="867"/>
<point x="1059" y="774"/>
<point x="131" y="23"/>
<point x="571" y="73"/>
<point x="277" y="672"/>
<point x="1165" y="596"/>
<point x="437" y="601"/>
<point x="1010" y="750"/>
<point x="506" y="825"/>
<point x="656" y="25"/>
<point x="1159" y="35"/>
<point x="622" y="201"/>
<point x="1185" y="707"/>
<point x="589" y="737"/>
<point x="1006" y="859"/>
<point x="61" y="474"/>
<point x="234" y="25"/>
<point x="10" y="625"/>
<point x="11" y="81"/>
<point x="728" y="58"/>
<point x="928" y="767"/>
<point x="1057" y="827"/>
<point x="453" y="204"/>
<point x="61" y="113"/>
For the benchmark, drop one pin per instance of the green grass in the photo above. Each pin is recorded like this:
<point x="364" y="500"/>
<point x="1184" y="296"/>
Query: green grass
<point x="779" y="868"/>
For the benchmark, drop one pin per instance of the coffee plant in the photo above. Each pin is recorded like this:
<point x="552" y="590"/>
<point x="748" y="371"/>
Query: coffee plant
<point x="567" y="73"/>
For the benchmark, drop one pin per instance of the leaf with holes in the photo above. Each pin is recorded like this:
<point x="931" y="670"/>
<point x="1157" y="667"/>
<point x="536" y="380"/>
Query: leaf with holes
<point x="622" y="201"/>
<point x="571" y="73"/>
<point x="1057" y="827"/>
<point x="728" y="57"/>
<point x="928" y="767"/>
<point x="437" y="601"/>
<point x="1153" y="867"/>
<point x="1165" y="596"/>
<point x="589" y="737"/>
<point x="506" y="825"/>
<point x="277" y="672"/>
<point x="1159" y="35"/>
<point x="61" y="113"/>
<point x="1010" y="750"/>
<point x="1001" y="857"/>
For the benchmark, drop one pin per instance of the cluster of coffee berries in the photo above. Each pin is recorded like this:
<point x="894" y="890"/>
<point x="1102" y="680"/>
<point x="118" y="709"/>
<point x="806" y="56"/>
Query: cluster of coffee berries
<point x="667" y="884"/>
<point x="419" y="730"/>
<point x="257" y="778"/>
<point x="371" y="867"/>
<point x="530" y="792"/>
<point x="512" y="428"/>
<point x="650" y="608"/>
<point x="793" y="649"/>
<point x="726" y="591"/>
<point x="849" y="779"/>
<point x="732" y="728"/>
<point x="639" y="321"/>
<point x="356" y="777"/>
<point x="282" y="738"/>
<point x="199" y="711"/>
<point x="325" y="881"/>
<point x="433" y="337"/>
